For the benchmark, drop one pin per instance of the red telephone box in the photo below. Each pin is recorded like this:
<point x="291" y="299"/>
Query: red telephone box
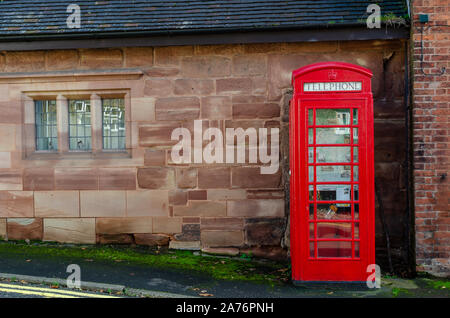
<point x="332" y="173"/>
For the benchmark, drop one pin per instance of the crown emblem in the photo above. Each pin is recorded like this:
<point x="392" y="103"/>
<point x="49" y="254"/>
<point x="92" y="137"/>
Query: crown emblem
<point x="332" y="75"/>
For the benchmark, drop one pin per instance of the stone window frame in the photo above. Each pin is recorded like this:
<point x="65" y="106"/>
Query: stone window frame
<point x="62" y="114"/>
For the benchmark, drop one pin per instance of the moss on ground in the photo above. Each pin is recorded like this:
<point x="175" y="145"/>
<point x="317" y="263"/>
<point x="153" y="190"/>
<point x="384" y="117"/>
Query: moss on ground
<point x="227" y="268"/>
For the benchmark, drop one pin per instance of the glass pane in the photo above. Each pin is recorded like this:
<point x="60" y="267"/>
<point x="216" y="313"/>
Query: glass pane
<point x="334" y="249"/>
<point x="332" y="211"/>
<point x="355" y="116"/>
<point x="79" y="124"/>
<point x="355" y="135"/>
<point x="311" y="249"/>
<point x="333" y="192"/>
<point x="311" y="174"/>
<point x="355" y="173"/>
<point x="46" y="130"/>
<point x="311" y="211"/>
<point x="333" y="173"/>
<point x="356" y="230"/>
<point x="113" y="111"/>
<point x="310" y="136"/>
<point x="311" y="230"/>
<point x="332" y="116"/>
<point x="334" y="230"/>
<point x="356" y="192"/>
<point x="311" y="192"/>
<point x="356" y="211"/>
<point x="333" y="154"/>
<point x="356" y="249"/>
<point x="333" y="136"/>
<point x="311" y="155"/>
<point x="355" y="154"/>
<point x="310" y="117"/>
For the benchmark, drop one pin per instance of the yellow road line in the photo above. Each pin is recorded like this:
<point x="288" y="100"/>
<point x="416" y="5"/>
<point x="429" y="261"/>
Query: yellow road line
<point x="55" y="291"/>
<point x="36" y="293"/>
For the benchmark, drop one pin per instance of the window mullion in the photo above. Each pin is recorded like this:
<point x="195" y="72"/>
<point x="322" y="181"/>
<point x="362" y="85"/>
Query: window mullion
<point x="62" y="117"/>
<point x="96" y="123"/>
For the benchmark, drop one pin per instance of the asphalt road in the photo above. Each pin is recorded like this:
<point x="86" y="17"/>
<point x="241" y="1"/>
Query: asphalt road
<point x="21" y="290"/>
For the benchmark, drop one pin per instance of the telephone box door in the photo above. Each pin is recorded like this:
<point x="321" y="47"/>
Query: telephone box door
<point x="332" y="186"/>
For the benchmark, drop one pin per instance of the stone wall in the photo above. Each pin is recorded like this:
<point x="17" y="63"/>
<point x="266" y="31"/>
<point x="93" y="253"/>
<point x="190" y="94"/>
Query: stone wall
<point x="431" y="136"/>
<point x="146" y="198"/>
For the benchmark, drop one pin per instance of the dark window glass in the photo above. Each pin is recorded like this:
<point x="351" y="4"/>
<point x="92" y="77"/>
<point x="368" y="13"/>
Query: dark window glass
<point x="46" y="127"/>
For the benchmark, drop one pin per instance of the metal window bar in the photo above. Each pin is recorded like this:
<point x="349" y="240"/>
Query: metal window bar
<point x="80" y="125"/>
<point x="46" y="125"/>
<point x="113" y="119"/>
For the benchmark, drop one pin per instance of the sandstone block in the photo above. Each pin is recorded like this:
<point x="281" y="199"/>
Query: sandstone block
<point x="193" y="87"/>
<point x="158" y="87"/>
<point x="205" y="66"/>
<point x="56" y="60"/>
<point x="222" y="238"/>
<point x="256" y="208"/>
<point x="226" y="194"/>
<point x="167" y="225"/>
<point x="185" y="245"/>
<point x="197" y="195"/>
<point x="101" y="58"/>
<point x="24" y="229"/>
<point x="148" y="203"/>
<point x="157" y="134"/>
<point x="216" y="107"/>
<point x="222" y="223"/>
<point x="251" y="177"/>
<point x="115" y="239"/>
<point x="171" y="55"/>
<point x="16" y="204"/>
<point x="156" y="178"/>
<point x="142" y="109"/>
<point x="201" y="208"/>
<point x="70" y="230"/>
<point x="177" y="108"/>
<point x="56" y="204"/>
<point x="234" y="86"/>
<point x="128" y="225"/>
<point x="258" y="110"/>
<point x="152" y="239"/>
<point x="187" y="178"/>
<point x="76" y="179"/>
<point x="103" y="203"/>
<point x="7" y="137"/>
<point x="189" y="232"/>
<point x="226" y="251"/>
<point x="138" y="56"/>
<point x="264" y="231"/>
<point x="26" y="61"/>
<point x="117" y="178"/>
<point x="154" y="157"/>
<point x="213" y="178"/>
<point x="10" y="179"/>
<point x="249" y="64"/>
<point x="5" y="160"/>
<point x="3" y="229"/>
<point x="178" y="197"/>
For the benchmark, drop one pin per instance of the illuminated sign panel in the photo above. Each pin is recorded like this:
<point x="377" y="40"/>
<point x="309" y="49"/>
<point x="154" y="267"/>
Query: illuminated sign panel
<point x="333" y="87"/>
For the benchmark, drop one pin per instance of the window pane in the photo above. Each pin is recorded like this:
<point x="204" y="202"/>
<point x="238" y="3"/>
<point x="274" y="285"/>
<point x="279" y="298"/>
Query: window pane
<point x="332" y="116"/>
<point x="113" y="110"/>
<point x="333" y="173"/>
<point x="334" y="230"/>
<point x="80" y="125"/>
<point x="333" y="154"/>
<point x="46" y="131"/>
<point x="334" y="249"/>
<point x="333" y="136"/>
<point x="333" y="211"/>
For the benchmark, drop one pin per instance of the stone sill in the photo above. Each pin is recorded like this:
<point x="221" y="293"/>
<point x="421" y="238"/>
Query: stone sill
<point x="70" y="76"/>
<point x="79" y="155"/>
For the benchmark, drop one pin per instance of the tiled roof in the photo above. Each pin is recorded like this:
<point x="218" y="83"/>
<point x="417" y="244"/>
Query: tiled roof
<point x="37" y="17"/>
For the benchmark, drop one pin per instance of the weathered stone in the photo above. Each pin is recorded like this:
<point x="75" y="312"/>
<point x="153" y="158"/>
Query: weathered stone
<point x="103" y="203"/>
<point x="151" y="239"/>
<point x="234" y="86"/>
<point x="56" y="60"/>
<point x="142" y="109"/>
<point x="189" y="232"/>
<point x="10" y="179"/>
<point x="76" y="179"/>
<point x="11" y="112"/>
<point x="201" y="208"/>
<point x="213" y="178"/>
<point x="260" y="110"/>
<point x="127" y="225"/>
<point x="7" y="137"/>
<point x="38" y="179"/>
<point x="225" y="194"/>
<point x="205" y="66"/>
<point x="5" y="160"/>
<point x="101" y="58"/>
<point x="197" y="195"/>
<point x="70" y="230"/>
<point x="222" y="238"/>
<point x="157" y="134"/>
<point x="265" y="194"/>
<point x="3" y="232"/>
<point x="185" y="245"/>
<point x="158" y="87"/>
<point x="148" y="203"/>
<point x="187" y="178"/>
<point x="16" y="204"/>
<point x="56" y="204"/>
<point x="162" y="72"/>
<point x="115" y="239"/>
<point x="117" y="178"/>
<point x="222" y="223"/>
<point x="156" y="178"/>
<point x="256" y="208"/>
<point x="226" y="251"/>
<point x="264" y="231"/>
<point x="216" y="107"/>
<point x="192" y="220"/>
<point x="268" y="252"/>
<point x="251" y="177"/>
<point x="155" y="157"/>
<point x="170" y="55"/>
<point x="138" y="56"/>
<point x="167" y="225"/>
<point x="249" y="64"/>
<point x="26" y="61"/>
<point x="193" y="87"/>
<point x="24" y="228"/>
<point x="177" y="108"/>
<point x="221" y="49"/>
<point x="178" y="197"/>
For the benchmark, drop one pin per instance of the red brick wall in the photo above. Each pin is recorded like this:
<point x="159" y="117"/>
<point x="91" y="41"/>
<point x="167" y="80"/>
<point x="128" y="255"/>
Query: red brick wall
<point x="431" y="137"/>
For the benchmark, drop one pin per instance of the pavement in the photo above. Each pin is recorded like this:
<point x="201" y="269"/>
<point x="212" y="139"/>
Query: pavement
<point x="134" y="280"/>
